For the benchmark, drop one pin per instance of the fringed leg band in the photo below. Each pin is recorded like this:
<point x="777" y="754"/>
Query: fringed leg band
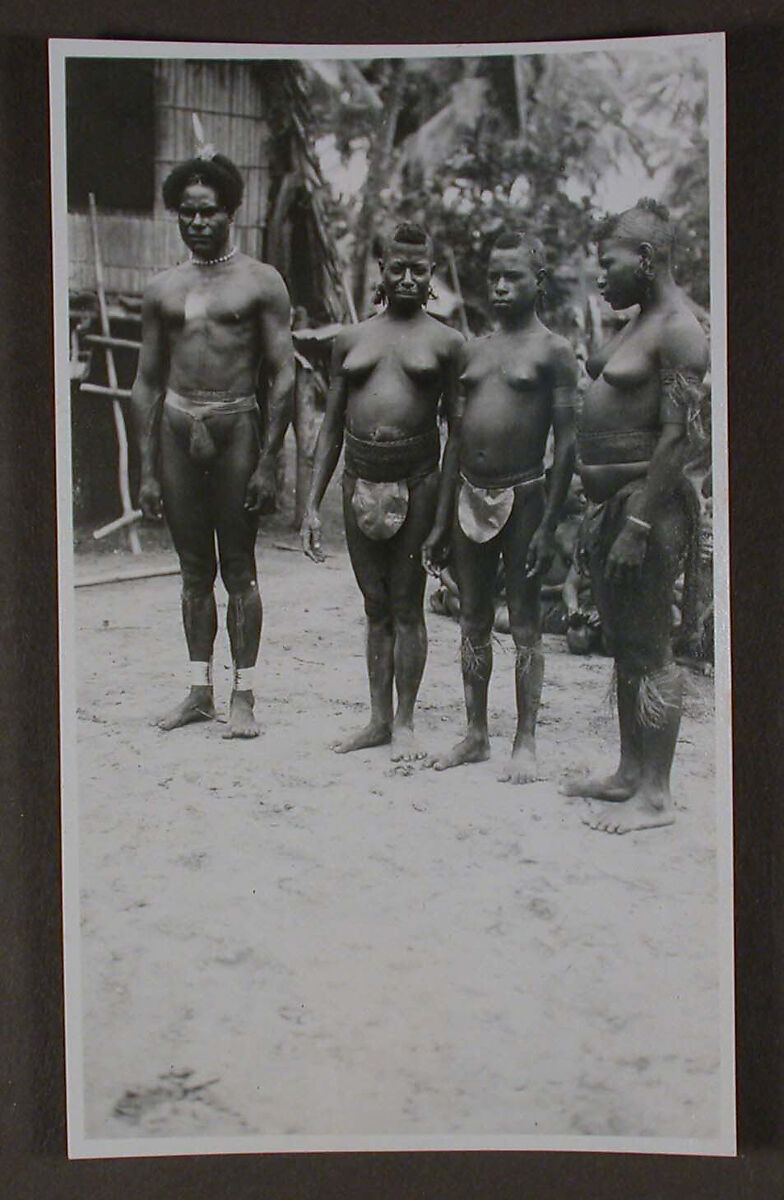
<point x="658" y="695"/>
<point x="474" y="657"/>
<point x="524" y="656"/>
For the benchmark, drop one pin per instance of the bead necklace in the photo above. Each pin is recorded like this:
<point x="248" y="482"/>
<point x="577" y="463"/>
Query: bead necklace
<point x="213" y="262"/>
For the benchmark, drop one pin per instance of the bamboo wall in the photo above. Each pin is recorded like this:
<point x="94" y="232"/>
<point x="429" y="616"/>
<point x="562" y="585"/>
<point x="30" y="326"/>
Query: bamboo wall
<point x="229" y="100"/>
<point x="133" y="249"/>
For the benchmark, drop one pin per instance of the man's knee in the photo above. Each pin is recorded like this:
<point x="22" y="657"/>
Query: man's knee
<point x="238" y="572"/>
<point x="198" y="578"/>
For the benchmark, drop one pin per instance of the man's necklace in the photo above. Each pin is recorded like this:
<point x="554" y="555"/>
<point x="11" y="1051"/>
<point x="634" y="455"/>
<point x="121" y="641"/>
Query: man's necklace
<point x="213" y="262"/>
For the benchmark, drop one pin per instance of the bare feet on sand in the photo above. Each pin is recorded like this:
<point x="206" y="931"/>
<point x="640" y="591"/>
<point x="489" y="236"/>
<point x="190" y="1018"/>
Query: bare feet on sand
<point x="242" y="723"/>
<point x="615" y="789"/>
<point x="648" y="809"/>
<point x="521" y="767"/>
<point x="474" y="748"/>
<point x="405" y="747"/>
<point x="377" y="733"/>
<point x="198" y="705"/>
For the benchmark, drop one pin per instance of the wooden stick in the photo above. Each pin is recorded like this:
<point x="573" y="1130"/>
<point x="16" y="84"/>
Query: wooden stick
<point x="119" y="523"/>
<point x="119" y="420"/>
<point x="127" y="576"/>
<point x="98" y="389"/>
<point x="98" y="339"/>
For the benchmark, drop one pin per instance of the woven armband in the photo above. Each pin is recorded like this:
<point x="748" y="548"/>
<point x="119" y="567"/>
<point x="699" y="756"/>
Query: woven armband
<point x="681" y="400"/>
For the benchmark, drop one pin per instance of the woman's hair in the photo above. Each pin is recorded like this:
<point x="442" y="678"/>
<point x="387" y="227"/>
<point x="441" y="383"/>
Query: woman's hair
<point x="217" y="172"/>
<point x="516" y="239"/>
<point x="648" y="221"/>
<point x="408" y="234"/>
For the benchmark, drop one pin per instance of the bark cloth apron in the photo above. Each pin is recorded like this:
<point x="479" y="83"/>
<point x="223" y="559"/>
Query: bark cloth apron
<point x="381" y="473"/>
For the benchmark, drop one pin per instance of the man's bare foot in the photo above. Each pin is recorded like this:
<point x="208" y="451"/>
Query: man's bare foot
<point x="377" y="733"/>
<point x="198" y="705"/>
<point x="649" y="809"/>
<point x="615" y="789"/>
<point x="242" y="723"/>
<point x="474" y="748"/>
<point x="405" y="747"/>
<point x="521" y="767"/>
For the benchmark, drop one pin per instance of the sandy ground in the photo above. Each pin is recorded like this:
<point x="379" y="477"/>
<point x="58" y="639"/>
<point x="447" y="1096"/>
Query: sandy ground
<point x="280" y="940"/>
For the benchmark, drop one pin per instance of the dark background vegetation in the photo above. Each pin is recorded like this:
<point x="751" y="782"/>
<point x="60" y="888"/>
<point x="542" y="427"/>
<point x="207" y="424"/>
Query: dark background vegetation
<point x="463" y="134"/>
<point x="32" y="1115"/>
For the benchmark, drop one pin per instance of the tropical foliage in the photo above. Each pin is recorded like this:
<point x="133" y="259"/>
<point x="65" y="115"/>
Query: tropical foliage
<point x="547" y="142"/>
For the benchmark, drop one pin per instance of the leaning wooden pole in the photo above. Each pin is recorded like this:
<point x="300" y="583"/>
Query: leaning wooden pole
<point x="455" y="281"/>
<point x="129" y="514"/>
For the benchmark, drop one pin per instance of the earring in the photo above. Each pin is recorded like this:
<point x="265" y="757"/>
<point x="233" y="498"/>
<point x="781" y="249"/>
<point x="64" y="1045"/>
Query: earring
<point x="379" y="295"/>
<point x="432" y="294"/>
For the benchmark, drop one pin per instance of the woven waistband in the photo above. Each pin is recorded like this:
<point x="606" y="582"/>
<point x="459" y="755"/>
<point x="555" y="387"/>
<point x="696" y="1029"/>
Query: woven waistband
<point x="520" y="479"/>
<point x="390" y="462"/>
<point x="207" y="404"/>
<point x="626" y="446"/>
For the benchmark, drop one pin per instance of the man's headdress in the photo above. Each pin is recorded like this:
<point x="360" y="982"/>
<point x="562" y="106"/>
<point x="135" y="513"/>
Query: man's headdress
<point x="204" y="149"/>
<point x="208" y="167"/>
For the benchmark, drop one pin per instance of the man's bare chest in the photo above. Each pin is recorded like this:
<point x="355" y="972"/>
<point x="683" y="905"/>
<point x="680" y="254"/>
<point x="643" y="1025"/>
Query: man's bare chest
<point x="210" y="302"/>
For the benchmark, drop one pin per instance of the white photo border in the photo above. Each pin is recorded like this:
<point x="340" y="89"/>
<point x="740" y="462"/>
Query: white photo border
<point x="712" y="46"/>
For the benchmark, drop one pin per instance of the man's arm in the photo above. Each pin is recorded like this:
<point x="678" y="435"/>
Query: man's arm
<point x="683" y="360"/>
<point x="277" y="354"/>
<point x="146" y="397"/>
<point x="328" y="446"/>
<point x="435" y="546"/>
<point x="564" y="387"/>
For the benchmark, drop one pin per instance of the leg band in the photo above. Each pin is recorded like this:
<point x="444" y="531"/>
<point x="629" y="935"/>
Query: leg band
<point x="200" y="674"/>
<point x="243" y="679"/>
<point x="473" y="657"/>
<point x="524" y="656"/>
<point x="658" y="692"/>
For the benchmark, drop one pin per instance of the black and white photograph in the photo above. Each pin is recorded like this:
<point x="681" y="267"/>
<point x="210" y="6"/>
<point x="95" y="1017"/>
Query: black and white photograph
<point x="394" y="596"/>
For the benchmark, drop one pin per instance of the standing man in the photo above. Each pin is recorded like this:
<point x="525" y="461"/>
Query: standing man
<point x="388" y="374"/>
<point x="517" y="384"/>
<point x="633" y="442"/>
<point x="215" y="337"/>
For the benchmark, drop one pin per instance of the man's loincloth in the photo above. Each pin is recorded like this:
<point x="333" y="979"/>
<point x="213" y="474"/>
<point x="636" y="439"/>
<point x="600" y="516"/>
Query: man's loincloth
<point x="381" y="473"/>
<point x="482" y="512"/>
<point x="197" y="406"/>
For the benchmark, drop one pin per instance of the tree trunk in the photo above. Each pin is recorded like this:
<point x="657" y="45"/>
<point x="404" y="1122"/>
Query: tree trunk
<point x="521" y="96"/>
<point x="379" y="165"/>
